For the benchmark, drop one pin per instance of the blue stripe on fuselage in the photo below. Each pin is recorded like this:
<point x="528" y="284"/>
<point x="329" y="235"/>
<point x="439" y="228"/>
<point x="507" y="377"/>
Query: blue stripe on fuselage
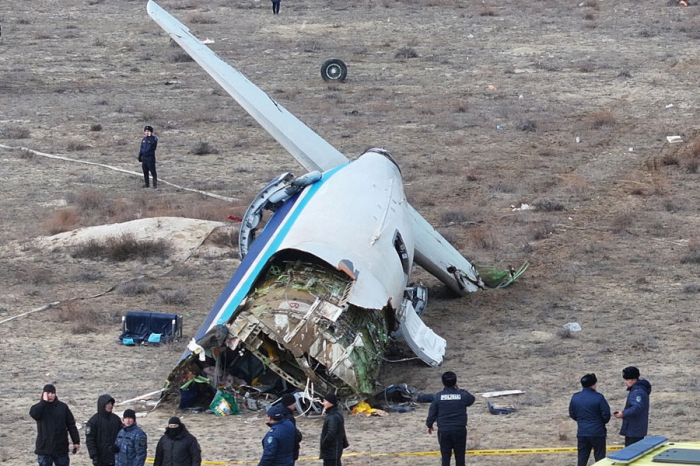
<point x="260" y="253"/>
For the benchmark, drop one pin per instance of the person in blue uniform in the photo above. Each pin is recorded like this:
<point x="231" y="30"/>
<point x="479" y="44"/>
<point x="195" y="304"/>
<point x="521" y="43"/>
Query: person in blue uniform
<point x="275" y="7"/>
<point x="289" y="403"/>
<point x="132" y="443"/>
<point x="278" y="443"/>
<point x="591" y="412"/>
<point x="635" y="416"/>
<point x="147" y="156"/>
<point x="449" y="409"/>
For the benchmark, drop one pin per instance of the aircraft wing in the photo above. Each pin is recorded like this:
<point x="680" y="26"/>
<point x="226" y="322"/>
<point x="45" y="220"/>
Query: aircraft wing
<point x="308" y="148"/>
<point x="437" y="256"/>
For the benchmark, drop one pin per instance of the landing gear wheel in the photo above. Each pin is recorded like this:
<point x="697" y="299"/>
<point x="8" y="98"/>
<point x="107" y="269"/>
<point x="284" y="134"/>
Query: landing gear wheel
<point x="334" y="69"/>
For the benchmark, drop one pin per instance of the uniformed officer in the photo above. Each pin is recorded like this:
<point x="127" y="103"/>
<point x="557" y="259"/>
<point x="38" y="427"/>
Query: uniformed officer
<point x="147" y="156"/>
<point x="289" y="403"/>
<point x="278" y="443"/>
<point x="635" y="416"/>
<point x="591" y="412"/>
<point x="131" y="444"/>
<point x="449" y="408"/>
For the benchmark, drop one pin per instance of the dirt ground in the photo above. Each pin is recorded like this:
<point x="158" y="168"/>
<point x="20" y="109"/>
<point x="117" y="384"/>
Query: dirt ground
<point x="563" y="105"/>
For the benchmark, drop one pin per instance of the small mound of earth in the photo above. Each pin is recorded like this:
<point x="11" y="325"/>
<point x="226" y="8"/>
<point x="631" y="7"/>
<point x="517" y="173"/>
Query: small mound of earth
<point x="183" y="235"/>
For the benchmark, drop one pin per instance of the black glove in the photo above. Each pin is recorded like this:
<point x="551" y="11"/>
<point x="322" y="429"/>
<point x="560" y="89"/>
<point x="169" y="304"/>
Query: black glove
<point x="114" y="448"/>
<point x="140" y="158"/>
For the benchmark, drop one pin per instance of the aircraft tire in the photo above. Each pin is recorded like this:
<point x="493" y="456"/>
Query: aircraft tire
<point x="334" y="69"/>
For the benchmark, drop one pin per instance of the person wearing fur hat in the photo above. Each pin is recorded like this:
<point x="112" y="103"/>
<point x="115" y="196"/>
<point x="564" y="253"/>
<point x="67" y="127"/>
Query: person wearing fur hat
<point x="177" y="447"/>
<point x="101" y="432"/>
<point x="278" y="443"/>
<point x="289" y="403"/>
<point x="333" y="438"/>
<point x="54" y="423"/>
<point x="591" y="412"/>
<point x="635" y="416"/>
<point x="132" y="443"/>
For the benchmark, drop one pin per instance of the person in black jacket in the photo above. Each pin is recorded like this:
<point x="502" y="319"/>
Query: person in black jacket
<point x="635" y="416"/>
<point x="591" y="412"/>
<point x="54" y="422"/>
<point x="147" y="156"/>
<point x="177" y="447"/>
<point x="289" y="403"/>
<point x="333" y="439"/>
<point x="449" y="409"/>
<point x="101" y="432"/>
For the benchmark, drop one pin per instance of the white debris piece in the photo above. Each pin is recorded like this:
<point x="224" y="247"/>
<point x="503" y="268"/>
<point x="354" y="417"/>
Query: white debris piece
<point x="573" y="326"/>
<point x="208" y="41"/>
<point x="522" y="207"/>
<point x="502" y="393"/>
<point x="674" y="139"/>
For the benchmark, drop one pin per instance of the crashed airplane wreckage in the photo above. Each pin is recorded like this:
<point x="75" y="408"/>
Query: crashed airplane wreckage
<point x="324" y="287"/>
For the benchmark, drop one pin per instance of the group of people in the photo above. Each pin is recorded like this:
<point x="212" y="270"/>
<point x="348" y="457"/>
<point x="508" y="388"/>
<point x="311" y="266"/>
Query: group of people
<point x="112" y="441"/>
<point x="591" y="412"/>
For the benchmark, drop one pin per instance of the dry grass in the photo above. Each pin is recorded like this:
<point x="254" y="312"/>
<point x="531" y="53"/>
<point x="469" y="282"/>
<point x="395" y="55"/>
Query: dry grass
<point x="177" y="297"/>
<point x="406" y="52"/>
<point x="33" y="274"/>
<point x="481" y="237"/>
<point x="14" y="132"/>
<point x="196" y="17"/>
<point x="203" y="148"/>
<point x="122" y="248"/>
<point x="135" y="288"/>
<point x="602" y="119"/>
<point x="62" y="220"/>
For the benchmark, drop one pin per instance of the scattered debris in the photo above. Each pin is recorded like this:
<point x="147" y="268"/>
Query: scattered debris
<point x="669" y="106"/>
<point x="208" y="41"/>
<point x="674" y="139"/>
<point x="573" y="326"/>
<point x="497" y="408"/>
<point x="522" y="207"/>
<point x="502" y="393"/>
<point x="578" y="139"/>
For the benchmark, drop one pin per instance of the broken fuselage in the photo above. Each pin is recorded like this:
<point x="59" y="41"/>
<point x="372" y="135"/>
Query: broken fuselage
<point x="321" y="289"/>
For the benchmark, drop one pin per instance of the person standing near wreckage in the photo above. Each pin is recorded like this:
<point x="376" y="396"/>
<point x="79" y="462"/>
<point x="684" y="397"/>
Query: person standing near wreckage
<point x="101" y="432"/>
<point x="177" y="447"/>
<point x="132" y="443"/>
<point x="333" y="438"/>
<point x="449" y="409"/>
<point x="635" y="416"/>
<point x="278" y="443"/>
<point x="147" y="156"/>
<point x="54" y="423"/>
<point x="591" y="412"/>
<point x="289" y="403"/>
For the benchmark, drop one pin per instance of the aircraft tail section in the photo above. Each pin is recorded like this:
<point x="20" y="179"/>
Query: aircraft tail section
<point x="436" y="255"/>
<point x="308" y="148"/>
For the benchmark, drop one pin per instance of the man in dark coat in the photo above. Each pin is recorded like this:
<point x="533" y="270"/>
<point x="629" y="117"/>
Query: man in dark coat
<point x="278" y="443"/>
<point x="101" y="432"/>
<point x="591" y="412"/>
<point x="289" y="403"/>
<point x="635" y="416"/>
<point x="449" y="409"/>
<point x="177" y="447"/>
<point x="131" y="444"/>
<point x="54" y="422"/>
<point x="333" y="439"/>
<point x="147" y="156"/>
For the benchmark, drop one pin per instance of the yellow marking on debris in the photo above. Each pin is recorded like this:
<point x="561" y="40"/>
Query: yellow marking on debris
<point x="511" y="451"/>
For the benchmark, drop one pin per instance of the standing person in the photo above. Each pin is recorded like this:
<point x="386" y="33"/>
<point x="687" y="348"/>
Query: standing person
<point x="131" y="444"/>
<point x="276" y="7"/>
<point x="635" y="416"/>
<point x="333" y="439"/>
<point x="101" y="432"/>
<point x="449" y="408"/>
<point x="177" y="447"/>
<point x="289" y="403"/>
<point x="278" y="443"/>
<point x="54" y="422"/>
<point x="147" y="156"/>
<point x="591" y="412"/>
